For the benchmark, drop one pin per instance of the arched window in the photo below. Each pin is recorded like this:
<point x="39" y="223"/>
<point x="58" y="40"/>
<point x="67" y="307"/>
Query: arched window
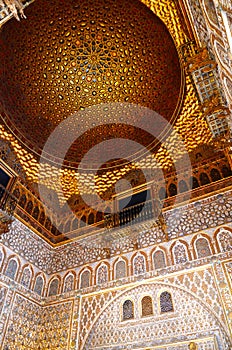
<point x="172" y="190"/>
<point x="120" y="269"/>
<point x="83" y="221"/>
<point x="39" y="283"/>
<point x="16" y="193"/>
<point x="147" y="309"/>
<point x="29" y="207"/>
<point x="91" y="219"/>
<point x="225" y="240"/>
<point x="128" y="310"/>
<point x="182" y="186"/>
<point x="54" y="287"/>
<point x="180" y="253"/>
<point x="202" y="247"/>
<point x="26" y="277"/>
<point x="35" y="213"/>
<point x="226" y="172"/>
<point x="11" y="269"/>
<point x="22" y="201"/>
<point x="42" y="218"/>
<point x="215" y="175"/>
<point x="69" y="283"/>
<point x="102" y="274"/>
<point x="194" y="182"/>
<point x="204" y="179"/>
<point x="166" y="304"/>
<point x="139" y="264"/>
<point x="85" y="279"/>
<point x="159" y="259"/>
<point x="48" y="224"/>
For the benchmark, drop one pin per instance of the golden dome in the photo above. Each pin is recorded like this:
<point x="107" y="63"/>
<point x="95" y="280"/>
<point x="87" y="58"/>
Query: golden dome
<point x="69" y="55"/>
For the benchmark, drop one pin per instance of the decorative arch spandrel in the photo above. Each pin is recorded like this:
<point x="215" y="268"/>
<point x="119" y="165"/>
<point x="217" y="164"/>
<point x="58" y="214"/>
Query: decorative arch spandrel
<point x="190" y="307"/>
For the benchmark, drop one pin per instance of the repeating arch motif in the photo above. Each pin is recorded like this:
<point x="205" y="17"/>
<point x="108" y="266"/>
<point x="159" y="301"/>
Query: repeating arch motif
<point x="26" y="277"/>
<point x="12" y="268"/>
<point x="180" y="254"/>
<point x="102" y="274"/>
<point x="69" y="283"/>
<point x="146" y="306"/>
<point x="39" y="285"/>
<point x="54" y="287"/>
<point x="166" y="304"/>
<point x="128" y="310"/>
<point x="85" y="278"/>
<point x="139" y="264"/>
<point x="120" y="269"/>
<point x="224" y="238"/>
<point x="202" y="247"/>
<point x="159" y="260"/>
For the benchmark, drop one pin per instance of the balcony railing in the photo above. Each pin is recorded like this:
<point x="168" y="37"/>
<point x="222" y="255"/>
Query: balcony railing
<point x="131" y="215"/>
<point x="149" y="210"/>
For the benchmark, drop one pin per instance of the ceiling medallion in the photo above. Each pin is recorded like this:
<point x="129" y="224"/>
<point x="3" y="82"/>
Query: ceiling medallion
<point x="57" y="63"/>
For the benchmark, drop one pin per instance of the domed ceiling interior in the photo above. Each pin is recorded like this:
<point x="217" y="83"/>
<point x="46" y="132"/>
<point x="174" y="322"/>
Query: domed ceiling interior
<point x="71" y="55"/>
<point x="86" y="53"/>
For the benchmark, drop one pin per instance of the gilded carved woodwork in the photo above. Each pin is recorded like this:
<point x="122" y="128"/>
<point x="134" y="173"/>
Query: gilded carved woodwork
<point x="193" y="134"/>
<point x="71" y="296"/>
<point x="201" y="59"/>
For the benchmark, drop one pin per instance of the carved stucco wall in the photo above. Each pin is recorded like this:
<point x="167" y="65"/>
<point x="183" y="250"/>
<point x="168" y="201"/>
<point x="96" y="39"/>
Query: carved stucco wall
<point x="26" y="324"/>
<point x="76" y="317"/>
<point x="203" y="215"/>
<point x="94" y="321"/>
<point x="91" y="318"/>
<point x="209" y="18"/>
<point x="197" y="313"/>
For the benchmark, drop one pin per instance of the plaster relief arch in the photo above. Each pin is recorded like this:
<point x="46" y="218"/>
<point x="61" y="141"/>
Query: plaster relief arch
<point x="122" y="309"/>
<point x="124" y="264"/>
<point x="39" y="284"/>
<point x="13" y="266"/>
<point x="159" y="258"/>
<point x="202" y="237"/>
<point x="139" y="264"/>
<point x="69" y="281"/>
<point x="146" y="305"/>
<point x="85" y="277"/>
<point x="159" y="301"/>
<point x="223" y="238"/>
<point x="201" y="311"/>
<point x="27" y="275"/>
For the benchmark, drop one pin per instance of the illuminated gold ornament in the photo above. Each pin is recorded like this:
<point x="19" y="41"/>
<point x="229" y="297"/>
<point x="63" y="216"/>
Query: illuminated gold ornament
<point x="28" y="72"/>
<point x="74" y="54"/>
<point x="193" y="346"/>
